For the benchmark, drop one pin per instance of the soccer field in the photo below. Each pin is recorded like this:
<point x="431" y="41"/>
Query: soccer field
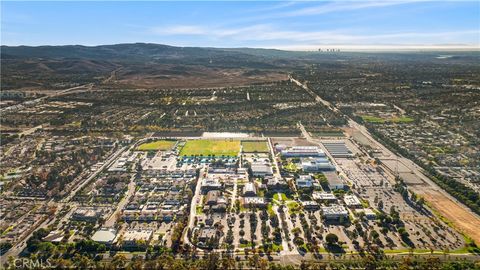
<point x="254" y="147"/>
<point x="157" y="145"/>
<point x="211" y="148"/>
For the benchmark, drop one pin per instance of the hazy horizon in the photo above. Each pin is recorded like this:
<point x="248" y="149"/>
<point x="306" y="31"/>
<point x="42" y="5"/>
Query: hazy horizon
<point x="294" y="25"/>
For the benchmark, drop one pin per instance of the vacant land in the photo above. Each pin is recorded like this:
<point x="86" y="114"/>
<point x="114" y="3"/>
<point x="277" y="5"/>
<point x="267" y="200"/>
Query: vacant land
<point x="196" y="77"/>
<point x="461" y="219"/>
<point x="255" y="147"/>
<point x="402" y="119"/>
<point x="157" y="145"/>
<point x="211" y="148"/>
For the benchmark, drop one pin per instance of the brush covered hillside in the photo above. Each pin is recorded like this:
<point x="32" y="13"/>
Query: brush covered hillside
<point x="135" y="65"/>
<point x="156" y="66"/>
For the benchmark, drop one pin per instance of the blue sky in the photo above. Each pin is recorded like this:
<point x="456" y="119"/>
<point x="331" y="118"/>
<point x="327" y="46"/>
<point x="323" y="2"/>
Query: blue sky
<point x="271" y="24"/>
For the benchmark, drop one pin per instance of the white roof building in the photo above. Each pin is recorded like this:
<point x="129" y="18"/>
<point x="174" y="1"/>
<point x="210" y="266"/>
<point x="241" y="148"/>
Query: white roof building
<point x="135" y="237"/>
<point x="261" y="169"/>
<point x="310" y="205"/>
<point x="352" y="201"/>
<point x="104" y="235"/>
<point x="249" y="189"/>
<point x="369" y="213"/>
<point x="254" y="201"/>
<point x="334" y="212"/>
<point x="317" y="165"/>
<point x="303" y="151"/>
<point x="323" y="196"/>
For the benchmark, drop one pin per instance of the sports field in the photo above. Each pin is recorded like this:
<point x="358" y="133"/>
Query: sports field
<point x="211" y="148"/>
<point x="255" y="147"/>
<point x="157" y="145"/>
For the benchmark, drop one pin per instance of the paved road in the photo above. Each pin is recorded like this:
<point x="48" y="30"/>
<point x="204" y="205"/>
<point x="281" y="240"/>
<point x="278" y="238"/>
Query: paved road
<point x="131" y="190"/>
<point x="285" y="245"/>
<point x="193" y="207"/>
<point x="313" y="94"/>
<point x="274" y="159"/>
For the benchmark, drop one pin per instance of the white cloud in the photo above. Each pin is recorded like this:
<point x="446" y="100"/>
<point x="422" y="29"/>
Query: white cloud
<point x="176" y="30"/>
<point x="179" y="30"/>
<point x="268" y="33"/>
<point x="341" y="6"/>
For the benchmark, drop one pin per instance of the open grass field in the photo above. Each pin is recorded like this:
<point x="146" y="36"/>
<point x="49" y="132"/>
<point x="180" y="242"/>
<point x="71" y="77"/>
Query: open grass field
<point x="157" y="145"/>
<point x="378" y="120"/>
<point x="255" y="147"/>
<point x="373" y="119"/>
<point x="403" y="119"/>
<point x="211" y="148"/>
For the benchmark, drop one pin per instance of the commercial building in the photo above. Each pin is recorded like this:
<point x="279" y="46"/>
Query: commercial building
<point x="212" y="197"/>
<point x="310" y="205"/>
<point x="105" y="236"/>
<point x="303" y="151"/>
<point x="136" y="238"/>
<point x="254" y="202"/>
<point x="304" y="182"/>
<point x="215" y="201"/>
<point x="334" y="182"/>
<point x="317" y="165"/>
<point x="338" y="149"/>
<point x="54" y="236"/>
<point x="334" y="212"/>
<point x="249" y="190"/>
<point x="369" y="213"/>
<point x="352" y="201"/>
<point x="210" y="184"/>
<point x="89" y="214"/>
<point x="208" y="233"/>
<point x="276" y="184"/>
<point x="260" y="169"/>
<point x="324" y="196"/>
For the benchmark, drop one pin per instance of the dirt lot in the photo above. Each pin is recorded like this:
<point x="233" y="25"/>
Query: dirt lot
<point x="461" y="218"/>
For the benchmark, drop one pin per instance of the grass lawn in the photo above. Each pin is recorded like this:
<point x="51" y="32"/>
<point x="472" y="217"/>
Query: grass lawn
<point x="276" y="248"/>
<point x="291" y="167"/>
<point x="247" y="245"/>
<point x="157" y="145"/>
<point x="199" y="210"/>
<point x="210" y="148"/>
<point x="282" y="197"/>
<point x="405" y="250"/>
<point x="378" y="120"/>
<point x="270" y="210"/>
<point x="373" y="119"/>
<point x="293" y="207"/>
<point x="255" y="147"/>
